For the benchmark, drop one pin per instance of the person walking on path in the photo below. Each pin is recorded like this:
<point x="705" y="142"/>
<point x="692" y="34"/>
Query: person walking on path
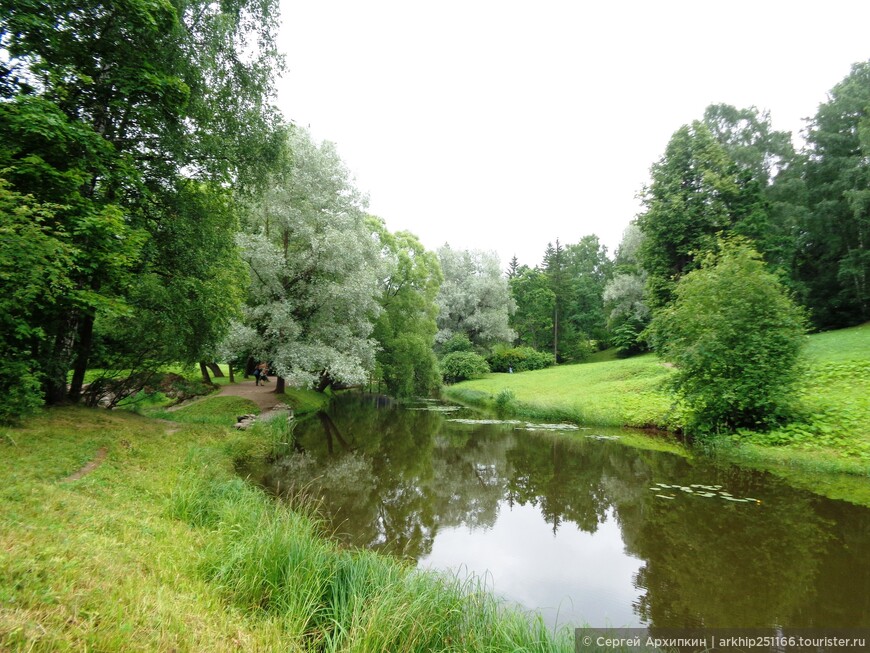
<point x="264" y="372"/>
<point x="257" y="375"/>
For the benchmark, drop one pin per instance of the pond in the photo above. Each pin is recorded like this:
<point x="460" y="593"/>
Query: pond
<point x="576" y="525"/>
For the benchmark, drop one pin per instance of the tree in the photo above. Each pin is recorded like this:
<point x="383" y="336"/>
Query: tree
<point x="35" y="269"/>
<point x="406" y="327"/>
<point x="105" y="110"/>
<point x="833" y="263"/>
<point x="697" y="191"/>
<point x="734" y="335"/>
<point x="627" y="312"/>
<point x="624" y="296"/>
<point x="767" y="157"/>
<point x="189" y="286"/>
<point x="474" y="298"/>
<point x="587" y="268"/>
<point x="554" y="267"/>
<point x="314" y="273"/>
<point x="750" y="140"/>
<point x="535" y="301"/>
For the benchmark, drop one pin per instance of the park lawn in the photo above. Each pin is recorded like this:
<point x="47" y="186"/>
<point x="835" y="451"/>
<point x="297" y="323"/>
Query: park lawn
<point x="826" y="447"/>
<point x="628" y="392"/>
<point x="97" y="563"/>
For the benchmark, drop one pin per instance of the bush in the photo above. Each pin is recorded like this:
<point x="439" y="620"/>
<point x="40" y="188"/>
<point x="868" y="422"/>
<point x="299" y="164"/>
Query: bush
<point x="457" y="342"/>
<point x="20" y="392"/>
<point x="520" y="359"/>
<point x="462" y="365"/>
<point x="734" y="336"/>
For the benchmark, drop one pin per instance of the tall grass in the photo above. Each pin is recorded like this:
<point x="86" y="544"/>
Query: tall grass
<point x="267" y="559"/>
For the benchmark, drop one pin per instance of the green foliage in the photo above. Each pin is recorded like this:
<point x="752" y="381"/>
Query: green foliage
<point x="627" y="338"/>
<point x="505" y="401"/>
<point x="734" y="336"/>
<point x="405" y="330"/>
<point x="314" y="272"/>
<point x="108" y="115"/>
<point x="457" y="342"/>
<point x="833" y="264"/>
<point x="533" y="319"/>
<point x="35" y="268"/>
<point x="697" y="191"/>
<point x="519" y="359"/>
<point x="462" y="365"/>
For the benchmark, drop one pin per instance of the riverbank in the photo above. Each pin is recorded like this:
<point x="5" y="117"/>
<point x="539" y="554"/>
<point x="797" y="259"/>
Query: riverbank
<point x="120" y="532"/>
<point x="826" y="449"/>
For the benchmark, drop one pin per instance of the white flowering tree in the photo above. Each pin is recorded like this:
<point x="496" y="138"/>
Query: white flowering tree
<point x="314" y="272"/>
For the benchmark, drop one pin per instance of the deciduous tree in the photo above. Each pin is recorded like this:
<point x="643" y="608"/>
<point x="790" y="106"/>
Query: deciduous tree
<point x="734" y="335"/>
<point x="314" y="273"/>
<point x="474" y="298"/>
<point x="406" y="328"/>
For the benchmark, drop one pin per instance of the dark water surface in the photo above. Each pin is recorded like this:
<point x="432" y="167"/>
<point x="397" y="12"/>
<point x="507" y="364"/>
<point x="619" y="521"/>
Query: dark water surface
<point x="578" y="526"/>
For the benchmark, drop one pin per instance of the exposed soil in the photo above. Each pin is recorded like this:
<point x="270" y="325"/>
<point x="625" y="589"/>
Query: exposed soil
<point x="262" y="395"/>
<point x="91" y="466"/>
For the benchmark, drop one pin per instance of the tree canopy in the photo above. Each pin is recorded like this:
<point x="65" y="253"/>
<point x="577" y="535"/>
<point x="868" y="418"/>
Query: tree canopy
<point x="314" y="272"/>
<point x="132" y="121"/>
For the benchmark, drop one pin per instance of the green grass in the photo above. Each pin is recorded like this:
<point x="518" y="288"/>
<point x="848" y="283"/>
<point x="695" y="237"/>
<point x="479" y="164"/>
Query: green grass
<point x="625" y="392"/>
<point x="825" y="448"/>
<point x="163" y="548"/>
<point x="209" y="410"/>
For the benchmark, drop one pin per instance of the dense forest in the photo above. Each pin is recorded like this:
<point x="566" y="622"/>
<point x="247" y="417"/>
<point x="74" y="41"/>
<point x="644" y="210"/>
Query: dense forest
<point x="156" y="209"/>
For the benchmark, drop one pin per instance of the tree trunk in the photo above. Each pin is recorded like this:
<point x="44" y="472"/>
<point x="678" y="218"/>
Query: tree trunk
<point x="85" y="341"/>
<point x="56" y="364"/>
<point x="204" y="371"/>
<point x="325" y="382"/>
<point x="249" y="366"/>
<point x="216" y="370"/>
<point x="232" y="376"/>
<point x="279" y="385"/>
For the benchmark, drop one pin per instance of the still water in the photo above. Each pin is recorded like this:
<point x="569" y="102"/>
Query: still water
<point x="578" y="526"/>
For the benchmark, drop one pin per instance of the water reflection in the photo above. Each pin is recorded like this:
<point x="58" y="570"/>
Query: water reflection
<point x="577" y="527"/>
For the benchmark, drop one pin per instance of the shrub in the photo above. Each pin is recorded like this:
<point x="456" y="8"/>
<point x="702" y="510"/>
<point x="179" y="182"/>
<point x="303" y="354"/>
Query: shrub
<point x="20" y="393"/>
<point x="520" y="359"/>
<point x="462" y="365"/>
<point x="734" y="336"/>
<point x="457" y="342"/>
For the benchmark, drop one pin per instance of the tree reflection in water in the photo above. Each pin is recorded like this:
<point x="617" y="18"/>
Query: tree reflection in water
<point x="393" y="479"/>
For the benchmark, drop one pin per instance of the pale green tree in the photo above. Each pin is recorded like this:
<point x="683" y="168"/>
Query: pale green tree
<point x="474" y="298"/>
<point x="315" y="271"/>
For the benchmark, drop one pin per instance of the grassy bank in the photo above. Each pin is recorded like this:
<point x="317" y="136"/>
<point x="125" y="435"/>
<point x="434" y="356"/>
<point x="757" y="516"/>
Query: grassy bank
<point x="161" y="547"/>
<point x="826" y="448"/>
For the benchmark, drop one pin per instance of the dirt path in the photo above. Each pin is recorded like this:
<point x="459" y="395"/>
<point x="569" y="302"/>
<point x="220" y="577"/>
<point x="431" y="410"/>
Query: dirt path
<point x="263" y="395"/>
<point x="91" y="466"/>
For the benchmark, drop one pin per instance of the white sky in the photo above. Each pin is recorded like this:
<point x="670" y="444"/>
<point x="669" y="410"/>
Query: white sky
<point x="503" y="125"/>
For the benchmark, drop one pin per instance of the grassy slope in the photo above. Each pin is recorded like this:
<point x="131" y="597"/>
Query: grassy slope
<point x="827" y="448"/>
<point x="612" y="393"/>
<point x="161" y="547"/>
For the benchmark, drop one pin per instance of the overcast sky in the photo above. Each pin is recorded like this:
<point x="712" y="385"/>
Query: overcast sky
<point x="504" y="125"/>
